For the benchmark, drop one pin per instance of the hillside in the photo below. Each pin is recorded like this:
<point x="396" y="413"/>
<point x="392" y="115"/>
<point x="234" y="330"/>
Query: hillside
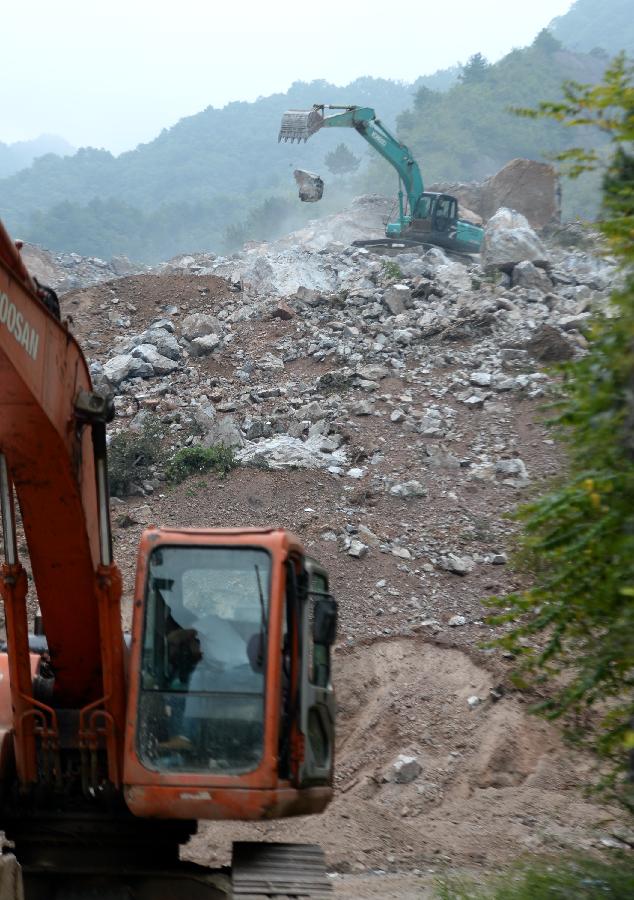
<point x="475" y="131"/>
<point x="21" y="154"/>
<point x="590" y="25"/>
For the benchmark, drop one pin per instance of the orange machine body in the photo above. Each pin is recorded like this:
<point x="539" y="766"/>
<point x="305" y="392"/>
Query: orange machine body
<point x="255" y="795"/>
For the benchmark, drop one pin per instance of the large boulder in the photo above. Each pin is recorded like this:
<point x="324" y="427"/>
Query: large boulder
<point x="532" y="188"/>
<point x="125" y="366"/>
<point x="509" y="240"/>
<point x="198" y="325"/>
<point x="161" y="365"/>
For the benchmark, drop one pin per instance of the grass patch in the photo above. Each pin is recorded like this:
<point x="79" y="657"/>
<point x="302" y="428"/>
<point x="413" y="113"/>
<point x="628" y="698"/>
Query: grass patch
<point x="573" y="879"/>
<point x="194" y="460"/>
<point x="392" y="270"/>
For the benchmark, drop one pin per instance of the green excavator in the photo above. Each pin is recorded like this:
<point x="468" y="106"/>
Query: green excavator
<point x="424" y="217"/>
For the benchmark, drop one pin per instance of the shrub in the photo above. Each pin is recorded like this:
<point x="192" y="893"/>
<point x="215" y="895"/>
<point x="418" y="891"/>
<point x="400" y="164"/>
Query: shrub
<point x="579" y="537"/>
<point x="131" y="455"/>
<point x="194" y="460"/>
<point x="392" y="270"/>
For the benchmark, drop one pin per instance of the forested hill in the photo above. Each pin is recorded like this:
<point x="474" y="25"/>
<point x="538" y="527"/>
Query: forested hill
<point x="470" y="131"/>
<point x="21" y="154"/>
<point x="231" y="152"/>
<point x="597" y="24"/>
<point x="220" y="177"/>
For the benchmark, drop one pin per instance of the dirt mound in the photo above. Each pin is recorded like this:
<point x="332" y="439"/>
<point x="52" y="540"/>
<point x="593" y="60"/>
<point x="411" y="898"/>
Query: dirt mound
<point x="494" y="782"/>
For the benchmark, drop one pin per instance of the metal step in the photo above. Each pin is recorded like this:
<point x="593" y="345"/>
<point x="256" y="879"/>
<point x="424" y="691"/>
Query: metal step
<point x="280" y="871"/>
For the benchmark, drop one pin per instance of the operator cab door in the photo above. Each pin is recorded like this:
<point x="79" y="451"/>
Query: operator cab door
<point x="445" y="213"/>
<point x="318" y="624"/>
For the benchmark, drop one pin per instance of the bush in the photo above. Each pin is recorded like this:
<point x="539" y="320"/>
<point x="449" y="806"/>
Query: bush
<point x="131" y="456"/>
<point x="194" y="460"/>
<point x="392" y="269"/>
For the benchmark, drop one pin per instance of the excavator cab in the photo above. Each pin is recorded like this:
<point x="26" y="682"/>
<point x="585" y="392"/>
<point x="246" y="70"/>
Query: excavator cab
<point x="229" y="677"/>
<point x="435" y="213"/>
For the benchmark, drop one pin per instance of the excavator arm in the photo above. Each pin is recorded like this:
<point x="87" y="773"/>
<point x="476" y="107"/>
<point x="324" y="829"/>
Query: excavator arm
<point x="223" y="708"/>
<point x="299" y="125"/>
<point x="52" y="458"/>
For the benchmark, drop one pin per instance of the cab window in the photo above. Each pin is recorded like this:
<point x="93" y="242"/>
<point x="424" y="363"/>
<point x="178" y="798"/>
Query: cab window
<point x="201" y="703"/>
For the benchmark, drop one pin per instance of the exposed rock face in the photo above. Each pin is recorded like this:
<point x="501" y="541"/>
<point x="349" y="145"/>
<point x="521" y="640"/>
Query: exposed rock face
<point x="509" y="240"/>
<point x="532" y="188"/>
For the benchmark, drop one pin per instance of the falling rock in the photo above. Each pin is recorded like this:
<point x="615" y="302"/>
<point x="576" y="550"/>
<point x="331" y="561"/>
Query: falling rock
<point x="457" y="621"/>
<point x="473" y="701"/>
<point x="124" y="366"/>
<point x="164" y="341"/>
<point x="225" y="433"/>
<point x="285" y="452"/>
<point x="509" y="240"/>
<point x="480" y="379"/>
<point x="362" y="408"/>
<point x="405" y="769"/>
<point x="284" y="311"/>
<point x="548" y="344"/>
<point x="142" y="515"/>
<point x="513" y="471"/>
<point x="440" y="458"/>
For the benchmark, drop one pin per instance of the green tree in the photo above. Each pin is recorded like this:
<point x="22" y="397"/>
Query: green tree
<point x="341" y="161"/>
<point x="475" y="70"/>
<point x="574" y="628"/>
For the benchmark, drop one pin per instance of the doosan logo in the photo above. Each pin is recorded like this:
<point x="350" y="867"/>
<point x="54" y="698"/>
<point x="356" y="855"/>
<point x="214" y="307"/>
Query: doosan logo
<point x="16" y="324"/>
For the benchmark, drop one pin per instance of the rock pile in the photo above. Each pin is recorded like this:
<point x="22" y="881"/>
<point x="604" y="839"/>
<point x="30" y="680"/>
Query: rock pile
<point x="474" y="334"/>
<point x="66" y="272"/>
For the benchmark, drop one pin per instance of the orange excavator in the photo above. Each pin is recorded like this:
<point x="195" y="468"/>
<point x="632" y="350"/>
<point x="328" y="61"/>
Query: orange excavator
<point x="218" y="705"/>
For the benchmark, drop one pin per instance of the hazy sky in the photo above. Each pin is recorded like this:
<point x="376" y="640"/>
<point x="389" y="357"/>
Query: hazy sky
<point x="113" y="74"/>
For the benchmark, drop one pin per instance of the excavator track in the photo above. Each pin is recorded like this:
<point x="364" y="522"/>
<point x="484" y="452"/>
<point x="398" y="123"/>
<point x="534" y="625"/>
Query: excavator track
<point x="281" y="871"/>
<point x="400" y="245"/>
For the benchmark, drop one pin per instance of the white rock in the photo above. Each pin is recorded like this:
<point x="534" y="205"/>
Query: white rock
<point x="197" y="325"/>
<point x="509" y="240"/>
<point x="459" y="565"/>
<point x="457" y="621"/>
<point x="481" y="379"/>
<point x="408" y="489"/>
<point x="357" y="549"/>
<point x="405" y="769"/>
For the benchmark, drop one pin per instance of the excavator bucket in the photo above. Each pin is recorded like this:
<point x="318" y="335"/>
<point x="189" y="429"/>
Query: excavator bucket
<point x="299" y="124"/>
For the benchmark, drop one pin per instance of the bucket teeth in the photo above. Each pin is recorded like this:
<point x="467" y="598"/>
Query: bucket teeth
<point x="299" y="124"/>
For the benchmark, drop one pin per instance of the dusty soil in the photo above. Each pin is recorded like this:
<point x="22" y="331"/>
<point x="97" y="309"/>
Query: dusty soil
<point x="495" y="781"/>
